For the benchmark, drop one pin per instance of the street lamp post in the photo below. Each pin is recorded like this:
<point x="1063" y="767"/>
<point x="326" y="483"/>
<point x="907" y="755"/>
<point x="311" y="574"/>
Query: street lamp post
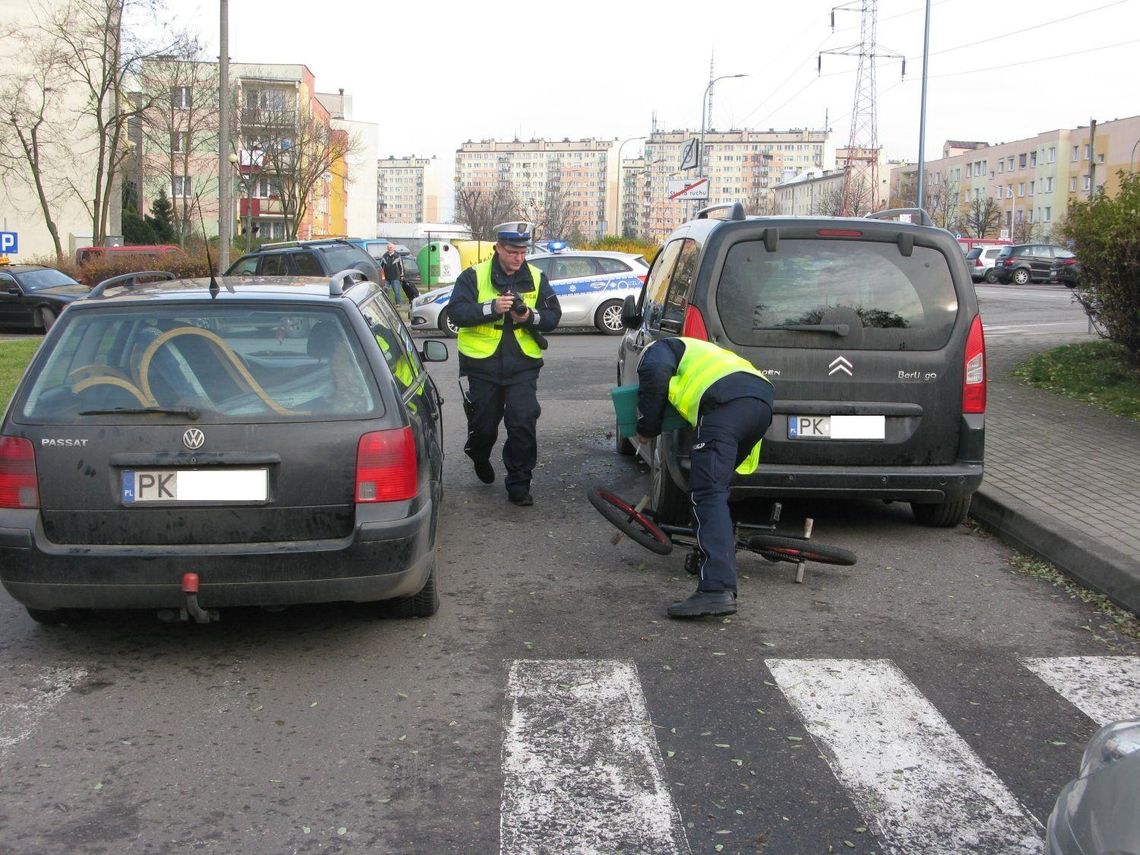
<point x="620" y="213"/>
<point x="704" y="103"/>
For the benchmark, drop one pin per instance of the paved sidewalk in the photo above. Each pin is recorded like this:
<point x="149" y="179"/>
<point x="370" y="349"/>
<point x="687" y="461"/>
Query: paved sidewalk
<point x="1062" y="478"/>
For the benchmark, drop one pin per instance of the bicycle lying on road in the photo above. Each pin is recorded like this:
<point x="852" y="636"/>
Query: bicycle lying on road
<point x="637" y="523"/>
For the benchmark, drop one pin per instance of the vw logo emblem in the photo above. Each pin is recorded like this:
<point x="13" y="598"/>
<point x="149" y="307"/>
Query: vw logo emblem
<point x="193" y="439"/>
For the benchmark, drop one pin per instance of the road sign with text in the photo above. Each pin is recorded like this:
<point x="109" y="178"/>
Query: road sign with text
<point x="681" y="189"/>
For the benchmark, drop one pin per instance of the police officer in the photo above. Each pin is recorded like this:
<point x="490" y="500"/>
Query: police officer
<point x="729" y="402"/>
<point x="502" y="306"/>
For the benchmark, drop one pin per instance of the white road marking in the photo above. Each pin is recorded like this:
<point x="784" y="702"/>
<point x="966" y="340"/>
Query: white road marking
<point x="1105" y="688"/>
<point x="581" y="768"/>
<point x="916" y="782"/>
<point x="35" y="698"/>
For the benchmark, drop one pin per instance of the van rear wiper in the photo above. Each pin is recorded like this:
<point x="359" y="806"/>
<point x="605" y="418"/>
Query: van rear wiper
<point x="190" y="412"/>
<point x="835" y="329"/>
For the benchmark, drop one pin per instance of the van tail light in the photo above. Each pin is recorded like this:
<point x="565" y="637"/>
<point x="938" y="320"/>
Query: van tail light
<point x="694" y="325"/>
<point x="19" y="487"/>
<point x="386" y="466"/>
<point x="974" y="373"/>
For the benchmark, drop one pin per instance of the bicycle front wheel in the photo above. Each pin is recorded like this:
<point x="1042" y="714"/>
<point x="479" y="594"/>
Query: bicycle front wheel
<point x="630" y="521"/>
<point x="777" y="548"/>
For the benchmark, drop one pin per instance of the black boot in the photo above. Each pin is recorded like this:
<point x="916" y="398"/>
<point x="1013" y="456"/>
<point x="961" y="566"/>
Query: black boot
<point x="485" y="471"/>
<point x="705" y="603"/>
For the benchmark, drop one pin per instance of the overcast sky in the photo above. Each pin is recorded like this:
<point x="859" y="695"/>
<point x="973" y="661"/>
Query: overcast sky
<point x="999" y="69"/>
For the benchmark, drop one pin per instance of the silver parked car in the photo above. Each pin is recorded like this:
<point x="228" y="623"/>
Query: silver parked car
<point x="1098" y="810"/>
<point x="591" y="287"/>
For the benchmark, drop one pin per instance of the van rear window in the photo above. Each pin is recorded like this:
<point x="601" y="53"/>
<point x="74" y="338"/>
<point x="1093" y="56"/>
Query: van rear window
<point x="856" y="294"/>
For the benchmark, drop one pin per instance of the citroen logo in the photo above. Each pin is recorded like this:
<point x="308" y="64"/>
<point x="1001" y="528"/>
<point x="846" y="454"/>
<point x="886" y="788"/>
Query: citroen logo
<point x="838" y="364"/>
<point x="193" y="439"/>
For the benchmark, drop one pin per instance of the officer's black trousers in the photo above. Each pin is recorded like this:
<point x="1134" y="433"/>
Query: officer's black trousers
<point x="725" y="436"/>
<point x="516" y="405"/>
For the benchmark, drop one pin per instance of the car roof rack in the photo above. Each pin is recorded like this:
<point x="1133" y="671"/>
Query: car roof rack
<point x="339" y="279"/>
<point x="735" y="208"/>
<point x="923" y="218"/>
<point x="284" y="244"/>
<point x="127" y="280"/>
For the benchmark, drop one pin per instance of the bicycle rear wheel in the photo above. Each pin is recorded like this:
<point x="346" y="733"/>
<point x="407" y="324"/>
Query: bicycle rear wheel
<point x="796" y="549"/>
<point x="630" y="521"/>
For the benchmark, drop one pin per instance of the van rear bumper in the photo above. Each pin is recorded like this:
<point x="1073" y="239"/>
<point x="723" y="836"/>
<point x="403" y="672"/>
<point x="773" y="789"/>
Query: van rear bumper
<point x="924" y="484"/>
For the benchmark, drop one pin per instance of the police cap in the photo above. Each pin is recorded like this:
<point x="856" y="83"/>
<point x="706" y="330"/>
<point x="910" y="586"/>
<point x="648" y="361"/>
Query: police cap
<point x="515" y="234"/>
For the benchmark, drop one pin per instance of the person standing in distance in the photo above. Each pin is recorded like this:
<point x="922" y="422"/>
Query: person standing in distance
<point x="392" y="269"/>
<point x="729" y="403"/>
<point x="502" y="306"/>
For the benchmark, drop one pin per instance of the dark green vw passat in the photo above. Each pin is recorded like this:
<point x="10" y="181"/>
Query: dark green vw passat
<point x="276" y="436"/>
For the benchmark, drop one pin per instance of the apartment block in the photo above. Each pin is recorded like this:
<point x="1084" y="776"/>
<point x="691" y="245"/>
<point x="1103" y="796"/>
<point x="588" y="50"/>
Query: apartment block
<point x="352" y="188"/>
<point x="1030" y="180"/>
<point x="564" y="182"/>
<point x="741" y="166"/>
<point x="407" y="190"/>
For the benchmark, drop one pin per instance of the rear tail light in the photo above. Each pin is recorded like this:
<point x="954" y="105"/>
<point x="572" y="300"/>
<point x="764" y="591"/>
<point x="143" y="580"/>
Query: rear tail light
<point x="386" y="466"/>
<point x="974" y="373"/>
<point x="694" y="325"/>
<point x="19" y="487"/>
<point x="977" y="262"/>
<point x="854" y="233"/>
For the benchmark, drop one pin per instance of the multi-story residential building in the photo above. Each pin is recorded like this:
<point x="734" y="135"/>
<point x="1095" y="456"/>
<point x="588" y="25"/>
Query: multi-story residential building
<point x="67" y="137"/>
<point x="407" y="190"/>
<point x="1030" y="180"/>
<point x="741" y="166"/>
<point x="352" y="200"/>
<point x="819" y="192"/>
<point x="564" y="182"/>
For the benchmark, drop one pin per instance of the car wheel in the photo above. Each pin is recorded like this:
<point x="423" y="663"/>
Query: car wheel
<point x="47" y="318"/>
<point x="1020" y="276"/>
<point x="422" y="604"/>
<point x="941" y="514"/>
<point x="990" y="277"/>
<point x="608" y="318"/>
<point x="445" y="325"/>
<point x="670" y="502"/>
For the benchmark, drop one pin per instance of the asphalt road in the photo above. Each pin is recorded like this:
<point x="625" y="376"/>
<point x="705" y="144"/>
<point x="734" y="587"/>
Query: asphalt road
<point x="552" y="706"/>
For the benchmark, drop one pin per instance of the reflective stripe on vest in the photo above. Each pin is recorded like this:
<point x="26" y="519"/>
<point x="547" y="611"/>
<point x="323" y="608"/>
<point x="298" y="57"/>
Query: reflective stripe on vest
<point x="701" y="366"/>
<point x="483" y="340"/>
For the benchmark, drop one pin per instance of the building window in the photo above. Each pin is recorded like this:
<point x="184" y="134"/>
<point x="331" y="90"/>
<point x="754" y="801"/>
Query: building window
<point x="180" y="142"/>
<point x="1032" y="185"/>
<point x="1001" y="166"/>
<point x="1021" y="189"/>
<point x="1073" y="184"/>
<point x="1048" y="215"/>
<point x="181" y="188"/>
<point x="1033" y="157"/>
<point x="180" y="97"/>
<point x="1048" y="185"/>
<point x="1076" y="153"/>
<point x="1051" y="155"/>
<point x="1084" y="182"/>
<point x="1021" y="161"/>
<point x="1088" y="149"/>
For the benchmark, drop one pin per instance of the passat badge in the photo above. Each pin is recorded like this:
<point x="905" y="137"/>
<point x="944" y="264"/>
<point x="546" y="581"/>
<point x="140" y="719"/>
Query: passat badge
<point x="194" y="439"/>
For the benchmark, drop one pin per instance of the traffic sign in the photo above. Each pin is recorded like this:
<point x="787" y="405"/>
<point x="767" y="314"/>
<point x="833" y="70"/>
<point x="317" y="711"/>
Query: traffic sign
<point x="681" y="189"/>
<point x="691" y="153"/>
<point x="9" y="243"/>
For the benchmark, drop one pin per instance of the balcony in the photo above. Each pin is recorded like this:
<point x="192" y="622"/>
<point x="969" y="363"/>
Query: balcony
<point x="265" y="118"/>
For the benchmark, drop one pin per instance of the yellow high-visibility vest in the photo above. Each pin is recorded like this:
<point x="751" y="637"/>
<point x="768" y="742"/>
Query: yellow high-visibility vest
<point x="701" y="366"/>
<point x="482" y="341"/>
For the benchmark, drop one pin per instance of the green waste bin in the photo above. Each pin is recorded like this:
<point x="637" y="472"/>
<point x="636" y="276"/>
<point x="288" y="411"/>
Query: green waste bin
<point x="625" y="406"/>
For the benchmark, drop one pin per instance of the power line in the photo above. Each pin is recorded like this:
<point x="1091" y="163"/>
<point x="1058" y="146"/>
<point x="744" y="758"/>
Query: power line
<point x="1040" y="59"/>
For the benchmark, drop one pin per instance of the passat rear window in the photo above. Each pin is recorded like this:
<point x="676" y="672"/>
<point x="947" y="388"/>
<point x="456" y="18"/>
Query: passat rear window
<point x="853" y="294"/>
<point x="227" y="363"/>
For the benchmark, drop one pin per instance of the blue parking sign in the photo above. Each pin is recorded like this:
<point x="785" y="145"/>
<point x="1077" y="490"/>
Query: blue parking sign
<point x="9" y="243"/>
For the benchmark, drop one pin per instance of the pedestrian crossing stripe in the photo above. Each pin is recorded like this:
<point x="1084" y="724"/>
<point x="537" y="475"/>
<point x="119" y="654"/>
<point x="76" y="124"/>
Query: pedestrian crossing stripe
<point x="914" y="780"/>
<point x="582" y="771"/>
<point x="1105" y="688"/>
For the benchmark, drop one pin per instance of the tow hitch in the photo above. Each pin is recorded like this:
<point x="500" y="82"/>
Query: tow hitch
<point x="191" y="609"/>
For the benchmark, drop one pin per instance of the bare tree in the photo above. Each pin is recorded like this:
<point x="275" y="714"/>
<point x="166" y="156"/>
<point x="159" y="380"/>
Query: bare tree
<point x="101" y="56"/>
<point x="481" y="210"/>
<point x="829" y="200"/>
<point x="179" y="130"/>
<point x="943" y="203"/>
<point x="982" y="217"/>
<point x="551" y="213"/>
<point x="1023" y="231"/>
<point x="33" y="148"/>
<point x="298" y="148"/>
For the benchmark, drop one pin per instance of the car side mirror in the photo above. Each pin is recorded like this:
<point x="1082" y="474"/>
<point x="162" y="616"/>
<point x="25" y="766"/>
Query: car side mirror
<point x="630" y="317"/>
<point x="14" y="289"/>
<point x="434" y="351"/>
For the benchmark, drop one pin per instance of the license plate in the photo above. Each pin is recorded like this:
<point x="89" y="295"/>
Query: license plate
<point x="837" y="427"/>
<point x="195" y="485"/>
